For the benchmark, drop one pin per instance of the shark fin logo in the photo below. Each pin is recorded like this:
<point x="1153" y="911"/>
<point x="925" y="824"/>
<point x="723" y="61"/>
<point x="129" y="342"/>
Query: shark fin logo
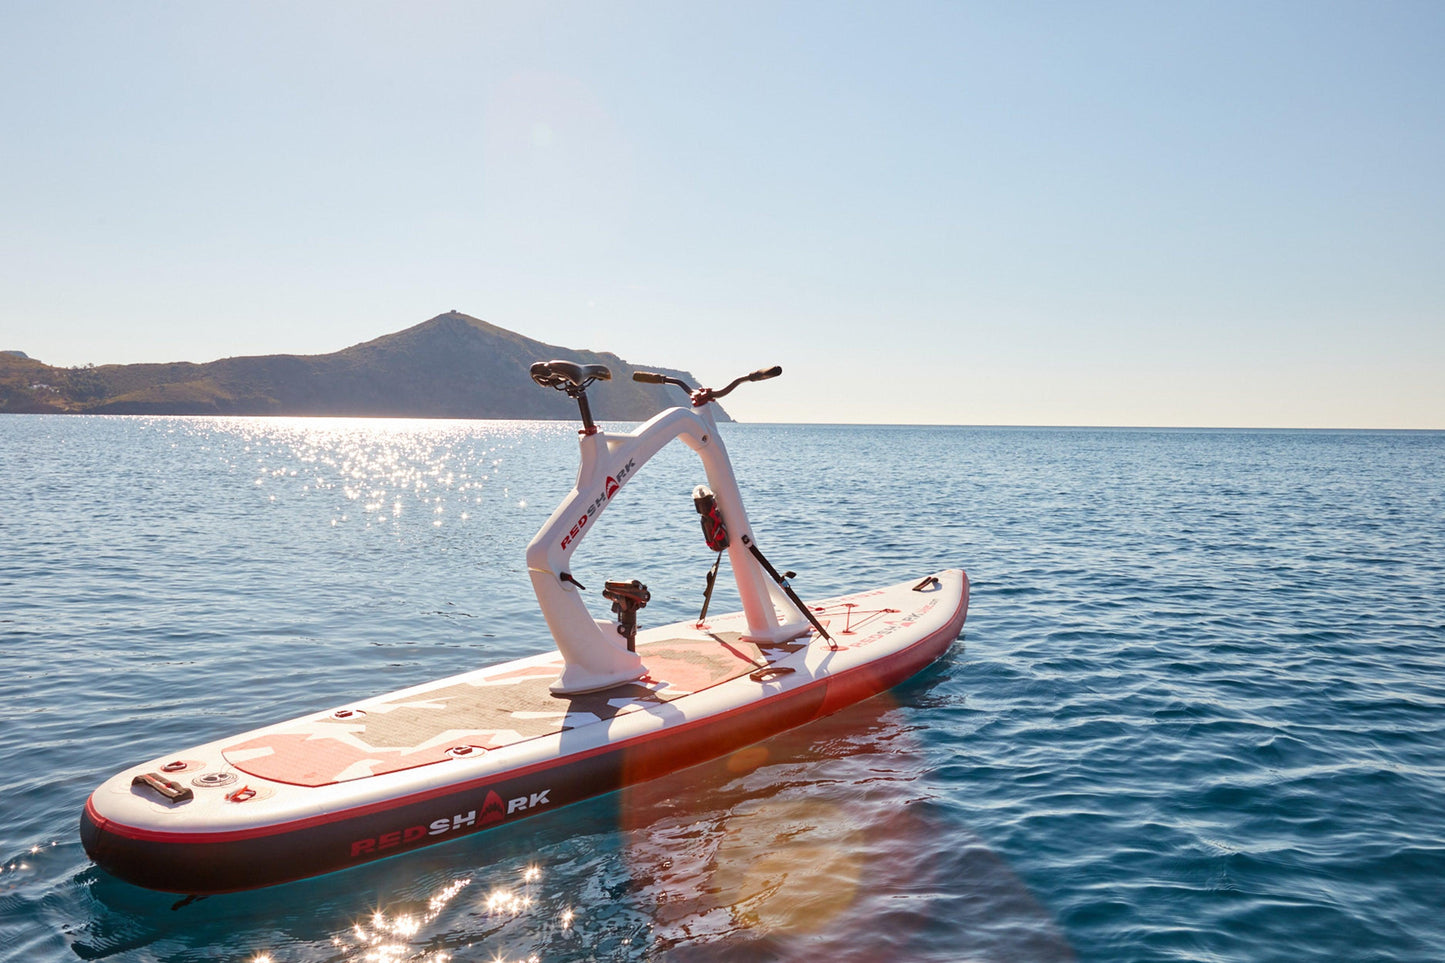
<point x="612" y="487"/>
<point x="493" y="809"/>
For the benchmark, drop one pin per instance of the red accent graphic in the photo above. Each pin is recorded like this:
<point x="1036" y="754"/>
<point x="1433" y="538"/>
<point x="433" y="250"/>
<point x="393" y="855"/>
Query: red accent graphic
<point x="493" y="809"/>
<point x="303" y="759"/>
<point x="692" y="667"/>
<point x="612" y="486"/>
<point x="546" y="670"/>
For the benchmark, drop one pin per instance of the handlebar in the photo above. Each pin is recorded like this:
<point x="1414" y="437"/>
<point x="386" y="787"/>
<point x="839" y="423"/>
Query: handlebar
<point x="701" y="396"/>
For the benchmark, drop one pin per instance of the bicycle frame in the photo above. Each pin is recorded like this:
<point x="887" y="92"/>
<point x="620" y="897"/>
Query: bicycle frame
<point x="594" y="655"/>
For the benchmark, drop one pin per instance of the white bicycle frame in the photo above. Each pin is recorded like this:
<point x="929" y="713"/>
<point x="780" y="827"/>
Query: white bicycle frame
<point x="595" y="656"/>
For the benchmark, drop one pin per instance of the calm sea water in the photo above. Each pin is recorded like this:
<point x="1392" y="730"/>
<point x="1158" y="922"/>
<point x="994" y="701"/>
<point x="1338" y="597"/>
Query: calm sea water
<point x="1198" y="712"/>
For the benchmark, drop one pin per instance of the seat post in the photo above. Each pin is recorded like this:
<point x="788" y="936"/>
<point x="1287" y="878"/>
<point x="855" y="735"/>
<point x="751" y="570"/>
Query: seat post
<point x="572" y="378"/>
<point x="589" y="427"/>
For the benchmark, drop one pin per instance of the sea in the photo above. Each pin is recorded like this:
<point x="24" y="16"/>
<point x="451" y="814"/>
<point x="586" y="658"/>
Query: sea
<point x="1197" y="711"/>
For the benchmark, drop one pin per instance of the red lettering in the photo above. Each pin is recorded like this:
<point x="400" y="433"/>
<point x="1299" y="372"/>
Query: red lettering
<point x="390" y="840"/>
<point x="575" y="529"/>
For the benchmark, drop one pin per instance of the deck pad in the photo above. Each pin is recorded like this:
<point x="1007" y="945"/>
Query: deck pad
<point x="486" y="713"/>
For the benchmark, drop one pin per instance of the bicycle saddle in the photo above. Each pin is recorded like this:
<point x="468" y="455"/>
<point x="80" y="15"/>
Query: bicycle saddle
<point x="559" y="374"/>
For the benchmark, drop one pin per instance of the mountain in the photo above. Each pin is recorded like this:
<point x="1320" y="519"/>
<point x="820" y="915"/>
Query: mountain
<point x="453" y="366"/>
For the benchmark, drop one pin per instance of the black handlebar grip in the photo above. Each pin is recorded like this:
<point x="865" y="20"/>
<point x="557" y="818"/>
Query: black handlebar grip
<point x="763" y="374"/>
<point x="649" y="377"/>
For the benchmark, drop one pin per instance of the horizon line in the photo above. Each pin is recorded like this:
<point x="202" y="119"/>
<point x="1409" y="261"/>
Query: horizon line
<point x="770" y="424"/>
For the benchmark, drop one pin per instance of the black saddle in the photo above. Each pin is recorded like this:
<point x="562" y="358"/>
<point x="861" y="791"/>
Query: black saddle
<point x="561" y="374"/>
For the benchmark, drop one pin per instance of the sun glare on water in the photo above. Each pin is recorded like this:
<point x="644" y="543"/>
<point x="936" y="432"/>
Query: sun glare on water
<point x="378" y="472"/>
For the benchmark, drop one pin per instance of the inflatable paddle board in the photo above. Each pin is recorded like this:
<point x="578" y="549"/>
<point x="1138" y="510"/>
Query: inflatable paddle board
<point x="614" y="706"/>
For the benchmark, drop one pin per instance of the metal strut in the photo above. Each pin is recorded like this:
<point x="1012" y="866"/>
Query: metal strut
<point x="707" y="593"/>
<point x="783" y="583"/>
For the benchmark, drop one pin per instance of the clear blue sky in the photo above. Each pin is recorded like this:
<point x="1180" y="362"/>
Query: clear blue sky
<point x="1151" y="213"/>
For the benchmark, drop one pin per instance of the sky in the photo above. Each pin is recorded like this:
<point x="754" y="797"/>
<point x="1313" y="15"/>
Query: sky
<point x="1224" y="214"/>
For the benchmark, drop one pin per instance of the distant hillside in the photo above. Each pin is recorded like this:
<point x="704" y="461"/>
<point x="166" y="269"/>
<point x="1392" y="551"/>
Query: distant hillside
<point x="452" y="366"/>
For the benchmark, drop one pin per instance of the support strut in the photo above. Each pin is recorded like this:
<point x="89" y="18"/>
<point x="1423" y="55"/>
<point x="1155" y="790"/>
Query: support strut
<point x="783" y="583"/>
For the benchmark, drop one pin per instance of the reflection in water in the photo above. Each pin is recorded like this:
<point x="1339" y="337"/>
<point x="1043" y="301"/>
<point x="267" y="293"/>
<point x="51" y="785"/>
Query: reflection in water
<point x="375" y="470"/>
<point x="819" y="844"/>
<point x="388" y="934"/>
<point x="825" y="851"/>
<point x="788" y="867"/>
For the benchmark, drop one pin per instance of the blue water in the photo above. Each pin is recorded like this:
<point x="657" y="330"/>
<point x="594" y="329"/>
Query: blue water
<point x="1198" y="712"/>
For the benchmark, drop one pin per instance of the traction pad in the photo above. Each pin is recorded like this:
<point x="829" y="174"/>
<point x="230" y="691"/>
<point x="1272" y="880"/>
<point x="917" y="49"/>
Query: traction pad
<point x="492" y="712"/>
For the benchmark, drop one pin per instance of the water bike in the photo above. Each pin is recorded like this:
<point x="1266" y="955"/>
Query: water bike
<point x="615" y="705"/>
